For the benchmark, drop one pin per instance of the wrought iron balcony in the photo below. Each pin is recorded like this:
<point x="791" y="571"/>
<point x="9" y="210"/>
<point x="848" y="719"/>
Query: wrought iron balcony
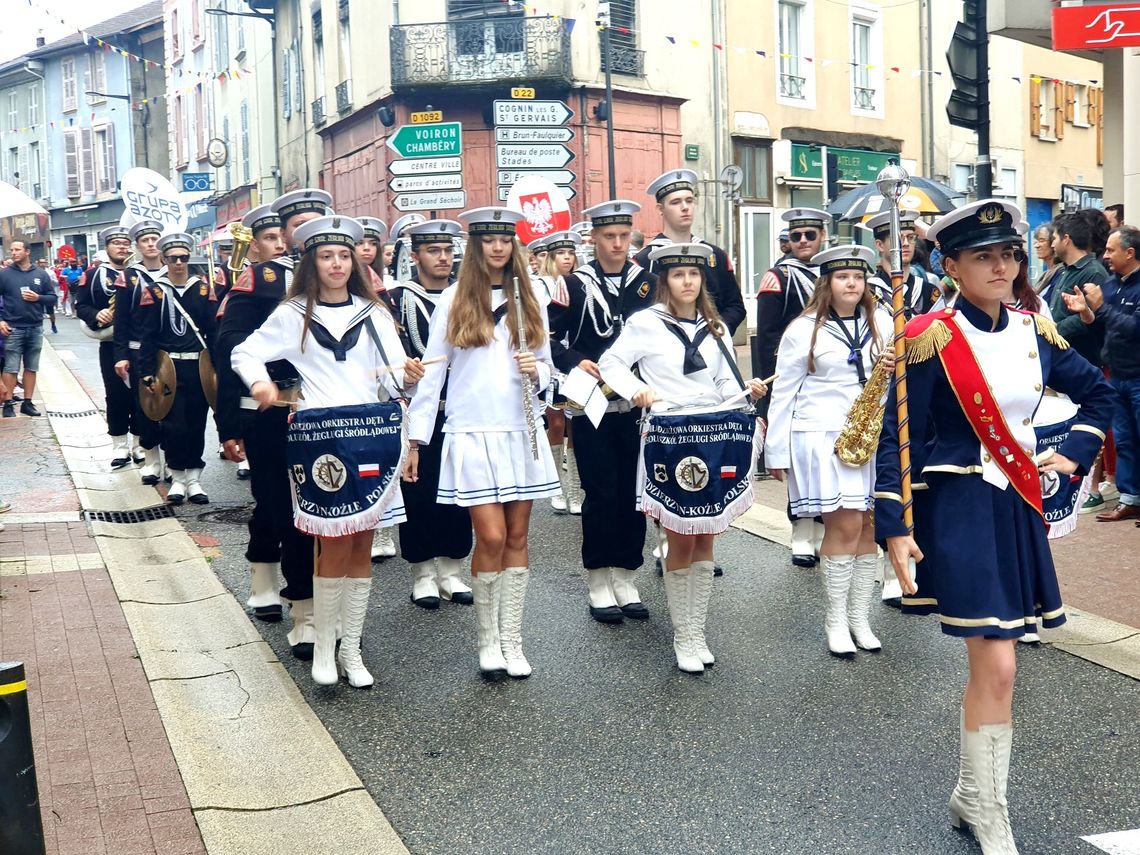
<point x="318" y="111"/>
<point x="343" y="97"/>
<point x="863" y="98"/>
<point x="480" y="50"/>
<point x="792" y="86"/>
<point x="625" y="60"/>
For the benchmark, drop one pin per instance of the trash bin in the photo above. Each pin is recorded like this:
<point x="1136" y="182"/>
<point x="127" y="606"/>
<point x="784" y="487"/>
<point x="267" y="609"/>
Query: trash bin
<point x="21" y="829"/>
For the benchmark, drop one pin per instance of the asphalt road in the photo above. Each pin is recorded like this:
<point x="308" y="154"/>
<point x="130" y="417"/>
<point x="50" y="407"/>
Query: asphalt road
<point x="779" y="748"/>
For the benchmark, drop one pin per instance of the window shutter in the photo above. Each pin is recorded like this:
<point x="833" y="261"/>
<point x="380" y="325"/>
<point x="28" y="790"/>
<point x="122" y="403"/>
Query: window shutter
<point x="1093" y="106"/>
<point x="71" y="163"/>
<point x="86" y="162"/>
<point x="25" y="179"/>
<point x="286" y="83"/>
<point x="1099" y="127"/>
<point x="1058" y="110"/>
<point x="1070" y="101"/>
<point x="1035" y="107"/>
<point x="245" y="156"/>
<point x="112" y="171"/>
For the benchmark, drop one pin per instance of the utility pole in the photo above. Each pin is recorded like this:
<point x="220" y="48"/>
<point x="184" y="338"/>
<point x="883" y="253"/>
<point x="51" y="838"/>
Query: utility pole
<point x="607" y="51"/>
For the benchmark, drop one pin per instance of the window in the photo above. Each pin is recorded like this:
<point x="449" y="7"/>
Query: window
<point x="71" y="162"/>
<point x="755" y="159"/>
<point x="1047" y="110"/>
<point x="318" y="50"/>
<point x="245" y="155"/>
<point x="201" y="135"/>
<point x="1005" y="182"/>
<point x="197" y="24"/>
<point x="298" y="80"/>
<point x="795" y="83"/>
<point x="175" y="36"/>
<point x="962" y="178"/>
<point x="13" y="176"/>
<point x="343" y="32"/>
<point x="179" y="131"/>
<point x="625" y="57"/>
<point x="221" y="38"/>
<point x="106" y="176"/>
<point x="67" y="74"/>
<point x="240" y="38"/>
<point x="95" y="77"/>
<point x="34" y="105"/>
<point x="23" y="183"/>
<point x="87" y="161"/>
<point x="866" y="61"/>
<point x="1078" y="108"/>
<point x="286" y="83"/>
<point x="36" y="170"/>
<point x="13" y="112"/>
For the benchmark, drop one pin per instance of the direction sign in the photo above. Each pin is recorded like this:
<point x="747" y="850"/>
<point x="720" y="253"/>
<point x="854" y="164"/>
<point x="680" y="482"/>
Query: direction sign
<point x="422" y="183"/>
<point x="532" y="156"/>
<point x="436" y="201"/>
<point x="422" y="165"/>
<point x="568" y="192"/>
<point x="533" y="135"/>
<point x="435" y="140"/>
<point x="532" y="113"/>
<point x="508" y="177"/>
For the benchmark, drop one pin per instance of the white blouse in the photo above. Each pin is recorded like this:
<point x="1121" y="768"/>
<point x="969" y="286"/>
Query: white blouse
<point x="659" y="354"/>
<point x="325" y="382"/>
<point x="817" y="401"/>
<point x="484" y="390"/>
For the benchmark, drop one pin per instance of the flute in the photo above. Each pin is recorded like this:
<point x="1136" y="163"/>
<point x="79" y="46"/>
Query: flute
<point x="527" y="383"/>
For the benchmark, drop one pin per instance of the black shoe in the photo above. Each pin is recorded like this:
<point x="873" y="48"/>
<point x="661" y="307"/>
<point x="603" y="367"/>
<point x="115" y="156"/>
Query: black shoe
<point x="805" y="560"/>
<point x="463" y="598"/>
<point x="54" y="330"/>
<point x="636" y="611"/>
<point x="303" y="651"/>
<point x="269" y="614"/>
<point x="139" y="459"/>
<point x="894" y="603"/>
<point x="425" y="602"/>
<point x="243" y="474"/>
<point x="9" y="411"/>
<point x="718" y="570"/>
<point x="607" y="614"/>
<point x="29" y="409"/>
<point x="660" y="569"/>
<point x="120" y="462"/>
<point x="200" y="499"/>
<point x="150" y="480"/>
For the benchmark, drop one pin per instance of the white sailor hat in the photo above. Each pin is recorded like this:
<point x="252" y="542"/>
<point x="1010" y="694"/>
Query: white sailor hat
<point x="337" y="230"/>
<point x="851" y="256"/>
<point x="261" y="218"/>
<point x="982" y="223"/>
<point x="404" y="222"/>
<point x="562" y="240"/>
<point x="617" y="212"/>
<point x="178" y="240"/>
<point x="374" y="228"/>
<point x="784" y="235"/>
<point x="145" y="227"/>
<point x="226" y="241"/>
<point x="490" y="221"/>
<point x="1022" y="228"/>
<point x="682" y="255"/>
<point x="433" y="231"/>
<point x="671" y="182"/>
<point x="582" y="228"/>
<point x="306" y="201"/>
<point x="799" y="217"/>
<point x="880" y="224"/>
<point x="115" y="233"/>
<point x="537" y="245"/>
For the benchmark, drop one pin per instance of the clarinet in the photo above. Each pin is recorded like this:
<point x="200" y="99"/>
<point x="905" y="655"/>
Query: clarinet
<point x="527" y="383"/>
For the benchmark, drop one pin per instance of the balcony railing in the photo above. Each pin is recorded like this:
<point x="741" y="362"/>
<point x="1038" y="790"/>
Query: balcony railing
<point x="318" y="110"/>
<point x="792" y="86"/>
<point x="864" y="98"/>
<point x="480" y="50"/>
<point x="343" y="97"/>
<point x="625" y="60"/>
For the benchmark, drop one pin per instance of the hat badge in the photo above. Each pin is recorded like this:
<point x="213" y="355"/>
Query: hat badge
<point x="679" y="175"/>
<point x="336" y="222"/>
<point x="617" y="207"/>
<point x="308" y="194"/>
<point x="685" y="249"/>
<point x="498" y="215"/>
<point x="990" y="215"/>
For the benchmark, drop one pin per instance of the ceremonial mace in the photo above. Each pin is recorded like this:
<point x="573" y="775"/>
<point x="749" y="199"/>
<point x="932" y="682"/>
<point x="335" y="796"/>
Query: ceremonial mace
<point x="893" y="183"/>
<point x="527" y="383"/>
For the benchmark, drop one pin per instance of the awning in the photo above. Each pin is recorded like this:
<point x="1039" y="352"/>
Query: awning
<point x="218" y="234"/>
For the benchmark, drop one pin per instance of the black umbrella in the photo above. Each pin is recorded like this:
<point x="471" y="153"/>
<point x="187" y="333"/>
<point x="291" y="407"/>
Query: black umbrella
<point x="924" y="196"/>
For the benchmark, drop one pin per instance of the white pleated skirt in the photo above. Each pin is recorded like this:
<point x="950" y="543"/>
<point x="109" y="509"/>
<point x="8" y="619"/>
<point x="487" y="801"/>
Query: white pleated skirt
<point x="493" y="467"/>
<point x="819" y="483"/>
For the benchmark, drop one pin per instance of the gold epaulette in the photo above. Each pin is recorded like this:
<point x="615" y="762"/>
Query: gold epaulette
<point x="1048" y="331"/>
<point x="928" y="343"/>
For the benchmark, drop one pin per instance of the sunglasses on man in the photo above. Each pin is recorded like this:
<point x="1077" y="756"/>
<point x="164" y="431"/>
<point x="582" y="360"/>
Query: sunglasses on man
<point x="809" y="235"/>
<point x="176" y="259"/>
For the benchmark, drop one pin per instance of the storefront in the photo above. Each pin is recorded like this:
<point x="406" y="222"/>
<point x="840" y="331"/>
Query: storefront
<point x="33" y="229"/>
<point x="79" y="226"/>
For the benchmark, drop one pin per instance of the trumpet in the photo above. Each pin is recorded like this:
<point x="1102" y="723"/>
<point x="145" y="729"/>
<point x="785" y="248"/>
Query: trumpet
<point x="243" y="236"/>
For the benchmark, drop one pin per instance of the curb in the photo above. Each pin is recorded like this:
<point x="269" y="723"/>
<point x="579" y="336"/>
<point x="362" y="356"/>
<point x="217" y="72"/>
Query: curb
<point x="258" y="765"/>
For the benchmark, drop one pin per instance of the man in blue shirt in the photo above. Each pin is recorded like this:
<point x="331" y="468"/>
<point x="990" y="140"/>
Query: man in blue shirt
<point x="27" y="293"/>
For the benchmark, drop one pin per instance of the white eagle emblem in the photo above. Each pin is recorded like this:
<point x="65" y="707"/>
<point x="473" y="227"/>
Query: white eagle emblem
<point x="538" y="212"/>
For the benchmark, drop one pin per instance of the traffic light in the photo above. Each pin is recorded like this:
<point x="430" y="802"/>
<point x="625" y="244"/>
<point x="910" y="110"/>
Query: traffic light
<point x="832" y="167"/>
<point x="967" y="57"/>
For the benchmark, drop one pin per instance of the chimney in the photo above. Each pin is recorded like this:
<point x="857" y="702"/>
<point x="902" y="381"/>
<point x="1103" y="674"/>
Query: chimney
<point x="40" y="41"/>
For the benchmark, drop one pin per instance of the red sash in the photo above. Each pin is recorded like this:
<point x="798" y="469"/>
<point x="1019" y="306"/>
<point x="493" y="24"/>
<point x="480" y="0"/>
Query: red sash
<point x="985" y="417"/>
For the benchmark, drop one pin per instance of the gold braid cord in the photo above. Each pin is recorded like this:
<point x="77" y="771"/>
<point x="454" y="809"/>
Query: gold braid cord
<point x="928" y="343"/>
<point x="1048" y="331"/>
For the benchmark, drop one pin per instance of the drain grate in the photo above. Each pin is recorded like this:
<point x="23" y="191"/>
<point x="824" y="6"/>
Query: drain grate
<point x="79" y="415"/>
<point x="158" y="512"/>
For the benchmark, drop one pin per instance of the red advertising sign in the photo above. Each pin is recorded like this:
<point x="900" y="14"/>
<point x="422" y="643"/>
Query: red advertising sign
<point x="1096" y="27"/>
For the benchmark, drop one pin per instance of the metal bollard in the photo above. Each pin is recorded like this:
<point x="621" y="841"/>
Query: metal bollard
<point x="21" y="829"/>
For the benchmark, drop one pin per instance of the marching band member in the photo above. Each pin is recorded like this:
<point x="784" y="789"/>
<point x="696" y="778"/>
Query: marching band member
<point x="919" y="292"/>
<point x="826" y="356"/>
<point x="257" y="437"/>
<point x="783" y="293"/>
<point x="223" y="276"/>
<point x="178" y="316"/>
<point x="492" y="461"/>
<point x="558" y="262"/>
<point x="976" y="374"/>
<point x="675" y="192"/>
<point x="134" y="280"/>
<point x="586" y="318"/>
<point x="96" y="302"/>
<point x="436" y="537"/>
<point x="297" y="208"/>
<point x="370" y="253"/>
<point x="678" y="349"/>
<point x="536" y="254"/>
<point x="333" y="331"/>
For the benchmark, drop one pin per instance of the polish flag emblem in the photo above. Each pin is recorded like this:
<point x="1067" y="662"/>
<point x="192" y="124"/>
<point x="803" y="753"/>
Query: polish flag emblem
<point x="728" y="472"/>
<point x="369" y="470"/>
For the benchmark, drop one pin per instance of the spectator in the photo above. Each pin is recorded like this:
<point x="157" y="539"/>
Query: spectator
<point x="636" y="242"/>
<point x="1043" y="246"/>
<point x="1114" y="216"/>
<point x="42" y="264"/>
<point x="785" y="246"/>
<point x="26" y="292"/>
<point x="1117" y="307"/>
<point x="1074" y="238"/>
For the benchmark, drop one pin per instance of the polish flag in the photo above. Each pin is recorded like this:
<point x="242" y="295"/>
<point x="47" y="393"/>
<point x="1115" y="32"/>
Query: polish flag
<point x="369" y="470"/>
<point x="728" y="472"/>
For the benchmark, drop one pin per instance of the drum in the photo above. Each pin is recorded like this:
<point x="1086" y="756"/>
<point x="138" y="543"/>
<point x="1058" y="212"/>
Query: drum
<point x="697" y="465"/>
<point x="345" y="465"/>
<point x="1061" y="495"/>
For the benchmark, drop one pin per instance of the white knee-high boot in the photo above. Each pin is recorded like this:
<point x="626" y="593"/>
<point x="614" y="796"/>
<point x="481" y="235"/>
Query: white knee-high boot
<point x="988" y="749"/>
<point x="679" y="595"/>
<point x="512" y="599"/>
<point x="355" y="596"/>
<point x="964" y="807"/>
<point x="326" y="609"/>
<point x="838" y="570"/>
<point x="485" y="587"/>
<point x="702" y="584"/>
<point x="859" y="601"/>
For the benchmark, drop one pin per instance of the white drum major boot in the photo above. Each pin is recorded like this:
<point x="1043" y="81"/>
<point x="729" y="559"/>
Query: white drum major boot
<point x="678" y="594"/>
<point x="803" y="549"/>
<point x="264" y="600"/>
<point x="451" y="585"/>
<point x="151" y="470"/>
<point x="302" y="635"/>
<point x="176" y="495"/>
<point x="859" y="601"/>
<point x="194" y="490"/>
<point x="326" y="609"/>
<point x="626" y="594"/>
<point x="425" y="593"/>
<point x="838" y="570"/>
<point x="485" y="587"/>
<point x="603" y="604"/>
<point x="512" y="599"/>
<point x="988" y="749"/>
<point x="355" y="600"/>
<point x="120" y="452"/>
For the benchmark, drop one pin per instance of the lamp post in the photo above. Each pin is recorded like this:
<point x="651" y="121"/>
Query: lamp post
<point x="607" y="52"/>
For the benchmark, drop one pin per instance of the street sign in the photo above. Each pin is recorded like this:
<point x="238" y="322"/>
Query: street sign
<point x="554" y="176"/>
<point x="436" y="140"/>
<point x="196" y="182"/>
<point x="522" y="92"/>
<point x="1096" y="27"/>
<point x="422" y="183"/>
<point x="436" y="201"/>
<point x="533" y="135"/>
<point x="427" y="117"/>
<point x="422" y="165"/>
<point x="568" y="192"/>
<point x="532" y="113"/>
<point x="533" y="156"/>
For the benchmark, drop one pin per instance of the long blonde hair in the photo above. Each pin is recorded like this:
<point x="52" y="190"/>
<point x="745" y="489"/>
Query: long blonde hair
<point x="819" y="307"/>
<point x="705" y="306"/>
<point x="470" y="322"/>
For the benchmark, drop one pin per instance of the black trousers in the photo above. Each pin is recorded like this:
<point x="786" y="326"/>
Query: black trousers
<point x="613" y="530"/>
<point x="120" y="407"/>
<point x="272" y="536"/>
<point x="148" y="431"/>
<point x="184" y="428"/>
<point x="433" y="530"/>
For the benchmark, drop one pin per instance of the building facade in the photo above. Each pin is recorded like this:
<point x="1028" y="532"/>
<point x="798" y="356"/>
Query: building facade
<point x="24" y="149"/>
